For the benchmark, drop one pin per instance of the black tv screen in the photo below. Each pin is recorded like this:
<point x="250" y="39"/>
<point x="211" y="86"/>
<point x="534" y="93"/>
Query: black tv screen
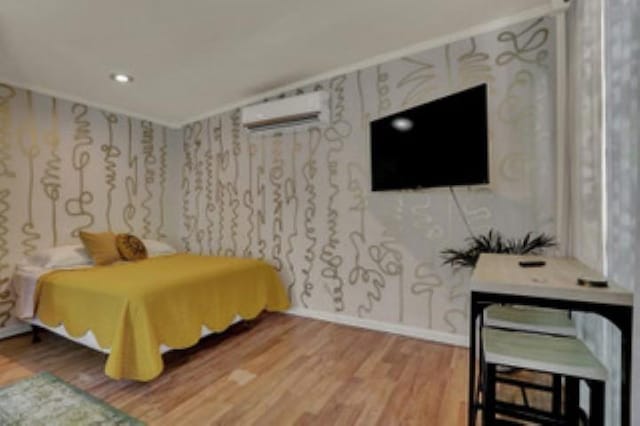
<point x="440" y="143"/>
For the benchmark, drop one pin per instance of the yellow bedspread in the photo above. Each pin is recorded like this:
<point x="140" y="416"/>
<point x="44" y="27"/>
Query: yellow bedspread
<point x="134" y="307"/>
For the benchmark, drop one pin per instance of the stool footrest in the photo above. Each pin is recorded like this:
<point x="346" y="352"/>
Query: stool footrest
<point x="527" y="413"/>
<point x="523" y="383"/>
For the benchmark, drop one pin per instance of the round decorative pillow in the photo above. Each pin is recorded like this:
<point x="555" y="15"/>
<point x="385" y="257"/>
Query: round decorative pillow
<point x="130" y="247"/>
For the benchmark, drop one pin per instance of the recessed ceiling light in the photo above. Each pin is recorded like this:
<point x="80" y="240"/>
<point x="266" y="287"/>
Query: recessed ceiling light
<point x="402" y="124"/>
<point x="121" y="78"/>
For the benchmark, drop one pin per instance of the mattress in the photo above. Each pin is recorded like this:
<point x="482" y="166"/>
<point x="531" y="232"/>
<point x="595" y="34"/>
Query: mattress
<point x="24" y="282"/>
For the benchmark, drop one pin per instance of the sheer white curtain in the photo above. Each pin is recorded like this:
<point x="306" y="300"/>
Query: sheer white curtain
<point x="604" y="162"/>
<point x="585" y="141"/>
<point x="585" y="131"/>
<point x="622" y="104"/>
<point x="584" y="128"/>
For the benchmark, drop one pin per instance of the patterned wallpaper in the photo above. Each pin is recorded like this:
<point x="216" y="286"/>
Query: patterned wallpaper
<point x="65" y="167"/>
<point x="302" y="200"/>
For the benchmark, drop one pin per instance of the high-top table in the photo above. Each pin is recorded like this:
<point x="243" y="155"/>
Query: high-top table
<point x="499" y="279"/>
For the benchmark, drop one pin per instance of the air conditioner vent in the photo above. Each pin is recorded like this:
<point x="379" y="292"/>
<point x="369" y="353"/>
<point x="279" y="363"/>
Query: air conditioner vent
<point x="285" y="113"/>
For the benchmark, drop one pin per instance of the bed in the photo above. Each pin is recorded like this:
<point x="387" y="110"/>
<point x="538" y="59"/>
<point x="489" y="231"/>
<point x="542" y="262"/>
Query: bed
<point x="135" y="311"/>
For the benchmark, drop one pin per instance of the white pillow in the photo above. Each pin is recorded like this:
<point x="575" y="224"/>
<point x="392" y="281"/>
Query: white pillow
<point x="158" y="248"/>
<point x="60" y="257"/>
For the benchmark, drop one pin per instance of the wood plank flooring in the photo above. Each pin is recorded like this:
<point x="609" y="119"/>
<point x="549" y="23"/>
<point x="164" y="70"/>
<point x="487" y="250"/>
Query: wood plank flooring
<point x="283" y="370"/>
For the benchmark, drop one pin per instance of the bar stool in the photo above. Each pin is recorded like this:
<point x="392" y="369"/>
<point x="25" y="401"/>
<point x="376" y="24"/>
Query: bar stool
<point x="537" y="320"/>
<point x="567" y="357"/>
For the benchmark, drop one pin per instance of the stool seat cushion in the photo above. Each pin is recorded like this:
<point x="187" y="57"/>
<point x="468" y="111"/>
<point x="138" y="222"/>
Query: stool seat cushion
<point x="548" y="321"/>
<point x="567" y="356"/>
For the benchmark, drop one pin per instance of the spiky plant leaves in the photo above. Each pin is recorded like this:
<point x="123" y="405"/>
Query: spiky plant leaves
<point x="494" y="242"/>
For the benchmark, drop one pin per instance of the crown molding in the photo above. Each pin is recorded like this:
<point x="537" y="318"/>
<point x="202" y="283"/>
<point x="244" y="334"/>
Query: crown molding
<point x="78" y="99"/>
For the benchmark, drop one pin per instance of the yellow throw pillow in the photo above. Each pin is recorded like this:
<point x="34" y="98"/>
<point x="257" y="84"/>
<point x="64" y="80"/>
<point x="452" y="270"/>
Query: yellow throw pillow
<point x="130" y="247"/>
<point x="101" y="247"/>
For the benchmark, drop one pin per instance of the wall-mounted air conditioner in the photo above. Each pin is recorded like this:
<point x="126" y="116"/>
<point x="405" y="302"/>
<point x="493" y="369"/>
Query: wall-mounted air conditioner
<point x="287" y="113"/>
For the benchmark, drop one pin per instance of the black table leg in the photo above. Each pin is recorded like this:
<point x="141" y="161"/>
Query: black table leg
<point x="626" y="347"/>
<point x="489" y="395"/>
<point x="572" y="401"/>
<point x="556" y="402"/>
<point x="596" y="403"/>
<point x="471" y="405"/>
<point x="35" y="334"/>
<point x="622" y="317"/>
<point x="477" y="308"/>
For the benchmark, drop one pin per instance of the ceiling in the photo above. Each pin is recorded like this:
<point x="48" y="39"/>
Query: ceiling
<point x="193" y="58"/>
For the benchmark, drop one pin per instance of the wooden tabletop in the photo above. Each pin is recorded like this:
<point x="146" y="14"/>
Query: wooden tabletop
<point x="501" y="273"/>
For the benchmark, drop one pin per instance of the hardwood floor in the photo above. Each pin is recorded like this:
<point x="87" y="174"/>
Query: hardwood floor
<point x="283" y="370"/>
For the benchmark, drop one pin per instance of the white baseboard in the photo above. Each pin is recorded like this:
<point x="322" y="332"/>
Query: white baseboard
<point x="13" y="329"/>
<point x="401" y="329"/>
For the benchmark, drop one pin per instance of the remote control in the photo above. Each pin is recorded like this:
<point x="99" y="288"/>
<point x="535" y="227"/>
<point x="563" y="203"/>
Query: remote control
<point x="590" y="282"/>
<point x="532" y="263"/>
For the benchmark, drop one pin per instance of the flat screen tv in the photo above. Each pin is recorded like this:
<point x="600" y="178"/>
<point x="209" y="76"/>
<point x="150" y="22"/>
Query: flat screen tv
<point x="440" y="143"/>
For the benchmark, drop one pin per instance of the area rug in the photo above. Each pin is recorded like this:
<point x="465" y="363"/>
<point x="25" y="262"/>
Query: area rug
<point x="44" y="399"/>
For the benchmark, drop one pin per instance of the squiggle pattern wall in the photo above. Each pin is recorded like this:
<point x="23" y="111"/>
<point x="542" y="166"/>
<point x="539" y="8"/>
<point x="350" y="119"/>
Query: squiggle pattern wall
<point x="148" y="151"/>
<point x="28" y="141"/>
<point x="6" y="173"/>
<point x="80" y="160"/>
<point x="131" y="181"/>
<point x="64" y="168"/>
<point x="111" y="152"/>
<point x="302" y="200"/>
<point x="51" y="179"/>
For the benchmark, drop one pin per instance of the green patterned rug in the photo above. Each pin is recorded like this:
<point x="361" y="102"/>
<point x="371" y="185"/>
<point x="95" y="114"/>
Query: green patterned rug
<point x="45" y="399"/>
